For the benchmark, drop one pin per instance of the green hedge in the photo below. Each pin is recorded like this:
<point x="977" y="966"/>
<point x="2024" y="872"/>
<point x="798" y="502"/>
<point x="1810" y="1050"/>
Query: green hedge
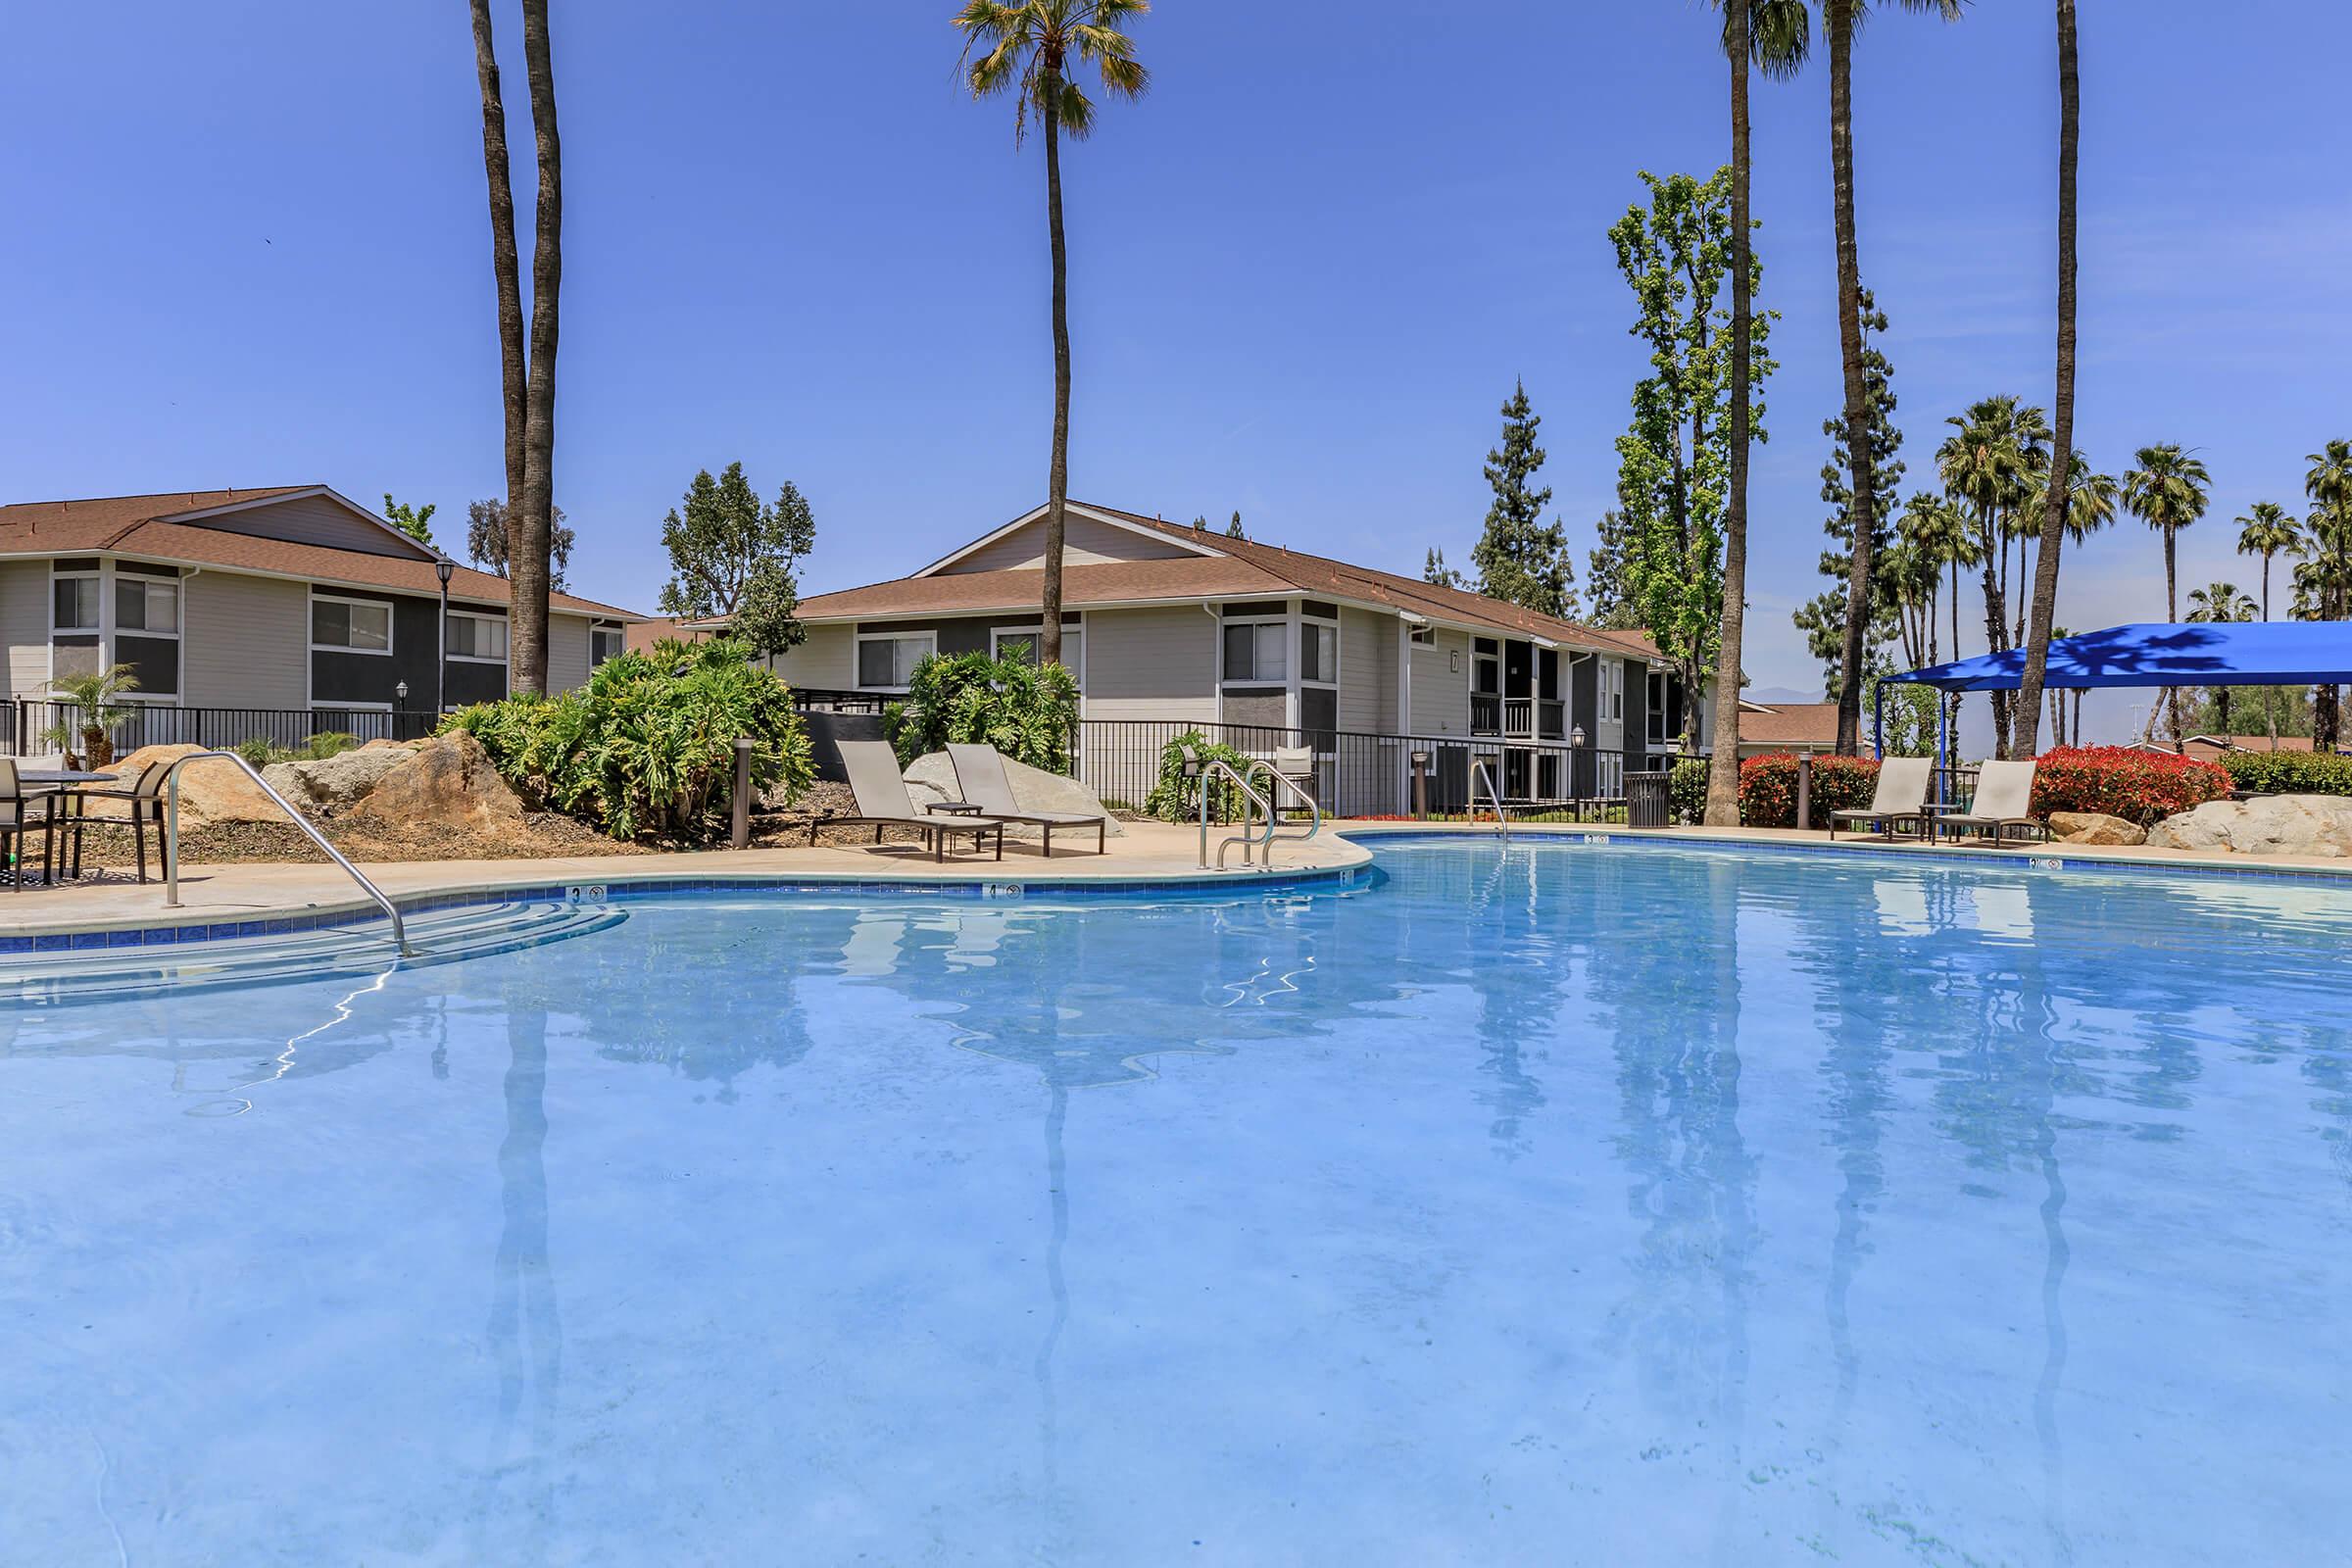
<point x="1768" y="788"/>
<point x="648" y="746"/>
<point x="1686" y="789"/>
<point x="1025" y="713"/>
<point x="2288" y="772"/>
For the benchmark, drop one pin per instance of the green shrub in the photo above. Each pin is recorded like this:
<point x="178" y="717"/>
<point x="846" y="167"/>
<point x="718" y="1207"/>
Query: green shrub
<point x="1177" y="798"/>
<point x="325" y="744"/>
<point x="648" y="746"/>
<point x="2125" y="781"/>
<point x="1687" y="789"/>
<point x="1768" y="788"/>
<point x="2288" y="772"/>
<point x="1025" y="713"/>
<point x="257" y="752"/>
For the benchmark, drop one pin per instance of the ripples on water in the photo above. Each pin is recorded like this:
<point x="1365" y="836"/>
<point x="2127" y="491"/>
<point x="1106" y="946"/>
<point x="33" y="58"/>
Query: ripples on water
<point x="1549" y="1204"/>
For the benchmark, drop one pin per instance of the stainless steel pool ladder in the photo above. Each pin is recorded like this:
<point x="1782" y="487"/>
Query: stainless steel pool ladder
<point x="1210" y="768"/>
<point x="399" y="930"/>
<point x="1283" y="781"/>
<point x="1478" y="770"/>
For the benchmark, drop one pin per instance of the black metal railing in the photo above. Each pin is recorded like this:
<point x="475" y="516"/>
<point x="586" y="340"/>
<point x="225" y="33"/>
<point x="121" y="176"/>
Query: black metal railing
<point x="818" y="700"/>
<point x="33" y="724"/>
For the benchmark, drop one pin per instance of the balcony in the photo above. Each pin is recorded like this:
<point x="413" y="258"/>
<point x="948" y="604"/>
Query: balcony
<point x="1517" y="719"/>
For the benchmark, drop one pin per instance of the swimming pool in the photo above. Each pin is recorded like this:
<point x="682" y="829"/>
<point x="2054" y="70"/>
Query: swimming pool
<point x="1556" y="1202"/>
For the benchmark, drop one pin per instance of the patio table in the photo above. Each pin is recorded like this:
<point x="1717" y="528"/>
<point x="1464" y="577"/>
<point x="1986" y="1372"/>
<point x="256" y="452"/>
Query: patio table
<point x="65" y="779"/>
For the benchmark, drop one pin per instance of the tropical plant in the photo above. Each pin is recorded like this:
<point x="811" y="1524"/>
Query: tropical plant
<point x="1032" y="48"/>
<point x="2327" y="483"/>
<point x="1520" y="559"/>
<point x="2055" y="523"/>
<point x="1768" y="788"/>
<point x="2168" y="491"/>
<point x="732" y="559"/>
<point x="2127" y="781"/>
<point x="95" y="703"/>
<point x="648" y="746"/>
<point x="1993" y="460"/>
<point x="527" y="375"/>
<point x="2223" y="602"/>
<point x="2267" y="530"/>
<point x="1026" y="712"/>
<point x="1175" y="798"/>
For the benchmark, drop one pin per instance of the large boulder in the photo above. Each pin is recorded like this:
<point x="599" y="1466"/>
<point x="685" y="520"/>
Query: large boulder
<point x="2095" y="827"/>
<point x="445" y="786"/>
<point x="2268" y="824"/>
<point x="336" y="781"/>
<point x="933" y="778"/>
<point x="216" y="791"/>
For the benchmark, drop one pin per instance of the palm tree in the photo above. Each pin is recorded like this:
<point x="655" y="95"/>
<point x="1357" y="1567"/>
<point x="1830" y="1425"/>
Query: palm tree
<point x="527" y="376"/>
<point x="1778" y="54"/>
<point x="2268" y="530"/>
<point x="2220" y="602"/>
<point x="2054" y="522"/>
<point x="1991" y="463"/>
<point x="94" y="699"/>
<point x="1940" y="536"/>
<point x="2168" y="492"/>
<point x="1030" y="46"/>
<point x="2328" y="485"/>
<point x="1841" y="20"/>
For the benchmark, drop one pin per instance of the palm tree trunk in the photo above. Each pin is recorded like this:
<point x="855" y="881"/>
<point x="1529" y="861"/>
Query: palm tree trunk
<point x="531" y="526"/>
<point x="2270" y="707"/>
<point x="504" y="265"/>
<point x="1839" y="20"/>
<point x="2172" y="613"/>
<point x="1996" y="626"/>
<point x="1058" y="476"/>
<point x="2061" y="412"/>
<point x="1723" y="767"/>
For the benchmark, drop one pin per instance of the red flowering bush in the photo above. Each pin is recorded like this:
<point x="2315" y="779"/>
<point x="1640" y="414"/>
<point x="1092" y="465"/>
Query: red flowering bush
<point x="2123" y="781"/>
<point x="1768" y="788"/>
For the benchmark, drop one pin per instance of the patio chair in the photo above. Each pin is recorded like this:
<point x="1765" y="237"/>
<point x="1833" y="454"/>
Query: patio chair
<point x="2004" y="795"/>
<point x="144" y="807"/>
<point x="980" y="778"/>
<point x="1901" y="797"/>
<point x="883" y="803"/>
<point x="19" y="823"/>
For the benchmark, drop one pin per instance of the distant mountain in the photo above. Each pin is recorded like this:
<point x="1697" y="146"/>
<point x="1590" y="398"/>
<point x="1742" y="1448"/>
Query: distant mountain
<point x="1768" y="695"/>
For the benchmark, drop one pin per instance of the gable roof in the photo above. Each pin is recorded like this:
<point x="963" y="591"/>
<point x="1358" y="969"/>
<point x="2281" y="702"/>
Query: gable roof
<point x="1788" y="723"/>
<point x="1221" y="566"/>
<point x="170" y="527"/>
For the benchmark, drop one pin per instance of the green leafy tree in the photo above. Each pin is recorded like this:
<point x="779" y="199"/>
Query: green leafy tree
<point x="1026" y="712"/>
<point x="414" y="521"/>
<point x="487" y="535"/>
<point x="1612" y="604"/>
<point x="2168" y="491"/>
<point x="1520" y="559"/>
<point x="1674" y="461"/>
<point x="1822" y="619"/>
<point x="1435" y="571"/>
<point x="1032" y="48"/>
<point x="733" y="558"/>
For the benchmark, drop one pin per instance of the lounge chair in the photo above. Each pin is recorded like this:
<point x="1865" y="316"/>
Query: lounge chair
<point x="19" y="821"/>
<point x="980" y="777"/>
<point x="883" y="803"/>
<point x="1901" y="797"/>
<point x="2004" y="796"/>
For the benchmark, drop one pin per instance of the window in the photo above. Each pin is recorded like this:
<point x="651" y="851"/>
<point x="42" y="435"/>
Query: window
<point x="1253" y="651"/>
<point x="887" y="662"/>
<point x="1616" y="673"/>
<point x="1024" y="645"/>
<point x="481" y="639"/>
<point x="351" y="625"/>
<point x="604" y="642"/>
<point x="1318" y="653"/>
<point x="74" y="606"/>
<point x="1424" y="634"/>
<point x="1486" y="667"/>
<point x="147" y="607"/>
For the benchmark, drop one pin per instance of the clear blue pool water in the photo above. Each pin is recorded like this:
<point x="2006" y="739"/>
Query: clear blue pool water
<point x="1549" y="1204"/>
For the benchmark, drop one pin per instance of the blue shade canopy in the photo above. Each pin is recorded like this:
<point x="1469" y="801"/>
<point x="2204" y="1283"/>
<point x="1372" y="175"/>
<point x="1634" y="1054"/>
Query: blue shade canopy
<point x="2278" y="652"/>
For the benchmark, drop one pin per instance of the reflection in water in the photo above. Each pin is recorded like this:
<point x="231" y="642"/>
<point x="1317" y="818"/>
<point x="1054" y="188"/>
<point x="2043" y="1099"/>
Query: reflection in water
<point x="527" y="1330"/>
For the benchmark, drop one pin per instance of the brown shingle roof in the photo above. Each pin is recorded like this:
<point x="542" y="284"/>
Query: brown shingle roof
<point x="1789" y="724"/>
<point x="134" y="526"/>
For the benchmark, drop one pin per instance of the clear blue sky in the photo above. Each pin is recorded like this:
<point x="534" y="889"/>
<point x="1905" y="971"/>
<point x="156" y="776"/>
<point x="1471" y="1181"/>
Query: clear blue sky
<point x="247" y="243"/>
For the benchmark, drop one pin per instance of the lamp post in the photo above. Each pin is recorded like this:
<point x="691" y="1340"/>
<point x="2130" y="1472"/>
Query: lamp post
<point x="442" y="569"/>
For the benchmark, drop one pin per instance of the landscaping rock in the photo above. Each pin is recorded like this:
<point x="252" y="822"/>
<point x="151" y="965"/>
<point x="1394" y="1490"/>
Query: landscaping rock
<point x="209" y="792"/>
<point x="2268" y="824"/>
<point x="2095" y="827"/>
<point x="336" y="781"/>
<point x="446" y="786"/>
<point x="932" y="778"/>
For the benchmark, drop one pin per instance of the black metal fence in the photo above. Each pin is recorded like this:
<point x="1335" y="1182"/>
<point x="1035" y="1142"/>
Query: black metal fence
<point x="32" y="726"/>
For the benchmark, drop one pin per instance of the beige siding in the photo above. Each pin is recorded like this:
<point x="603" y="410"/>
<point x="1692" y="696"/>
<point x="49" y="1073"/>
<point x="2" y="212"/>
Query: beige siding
<point x="1367" y="671"/>
<point x="1150" y="663"/>
<point x="312" y="521"/>
<point x="245" y="642"/>
<point x="567" y="653"/>
<point x="1441" y="692"/>
<point x="25" y="625"/>
<point x="1085" y="542"/>
<point x="826" y="662"/>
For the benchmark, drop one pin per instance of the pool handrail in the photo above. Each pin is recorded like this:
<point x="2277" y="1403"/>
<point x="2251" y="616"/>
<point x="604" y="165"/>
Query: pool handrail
<point x="1209" y="768"/>
<point x="399" y="930"/>
<point x="1478" y="770"/>
<point x="1284" y="781"/>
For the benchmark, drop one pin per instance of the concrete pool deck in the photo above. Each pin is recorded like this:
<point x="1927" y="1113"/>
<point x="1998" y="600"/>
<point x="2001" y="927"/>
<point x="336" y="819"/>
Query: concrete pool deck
<point x="1148" y="851"/>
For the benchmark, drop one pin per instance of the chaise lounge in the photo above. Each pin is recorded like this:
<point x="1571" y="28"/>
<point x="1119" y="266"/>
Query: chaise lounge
<point x="884" y="804"/>
<point x="1901" y="795"/>
<point x="980" y="777"/>
<point x="2003" y="801"/>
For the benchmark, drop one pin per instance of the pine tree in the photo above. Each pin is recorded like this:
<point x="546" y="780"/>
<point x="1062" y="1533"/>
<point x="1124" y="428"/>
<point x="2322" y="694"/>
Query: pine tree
<point x="1520" y="559"/>
<point x="1605" y="574"/>
<point x="1233" y="529"/>
<point x="1435" y="571"/>
<point x="1822" y="619"/>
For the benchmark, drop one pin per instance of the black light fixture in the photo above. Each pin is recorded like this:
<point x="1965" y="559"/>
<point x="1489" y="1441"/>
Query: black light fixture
<point x="442" y="568"/>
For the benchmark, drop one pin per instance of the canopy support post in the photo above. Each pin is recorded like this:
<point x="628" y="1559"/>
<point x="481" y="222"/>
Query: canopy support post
<point x="1941" y="799"/>
<point x="1878" y="721"/>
